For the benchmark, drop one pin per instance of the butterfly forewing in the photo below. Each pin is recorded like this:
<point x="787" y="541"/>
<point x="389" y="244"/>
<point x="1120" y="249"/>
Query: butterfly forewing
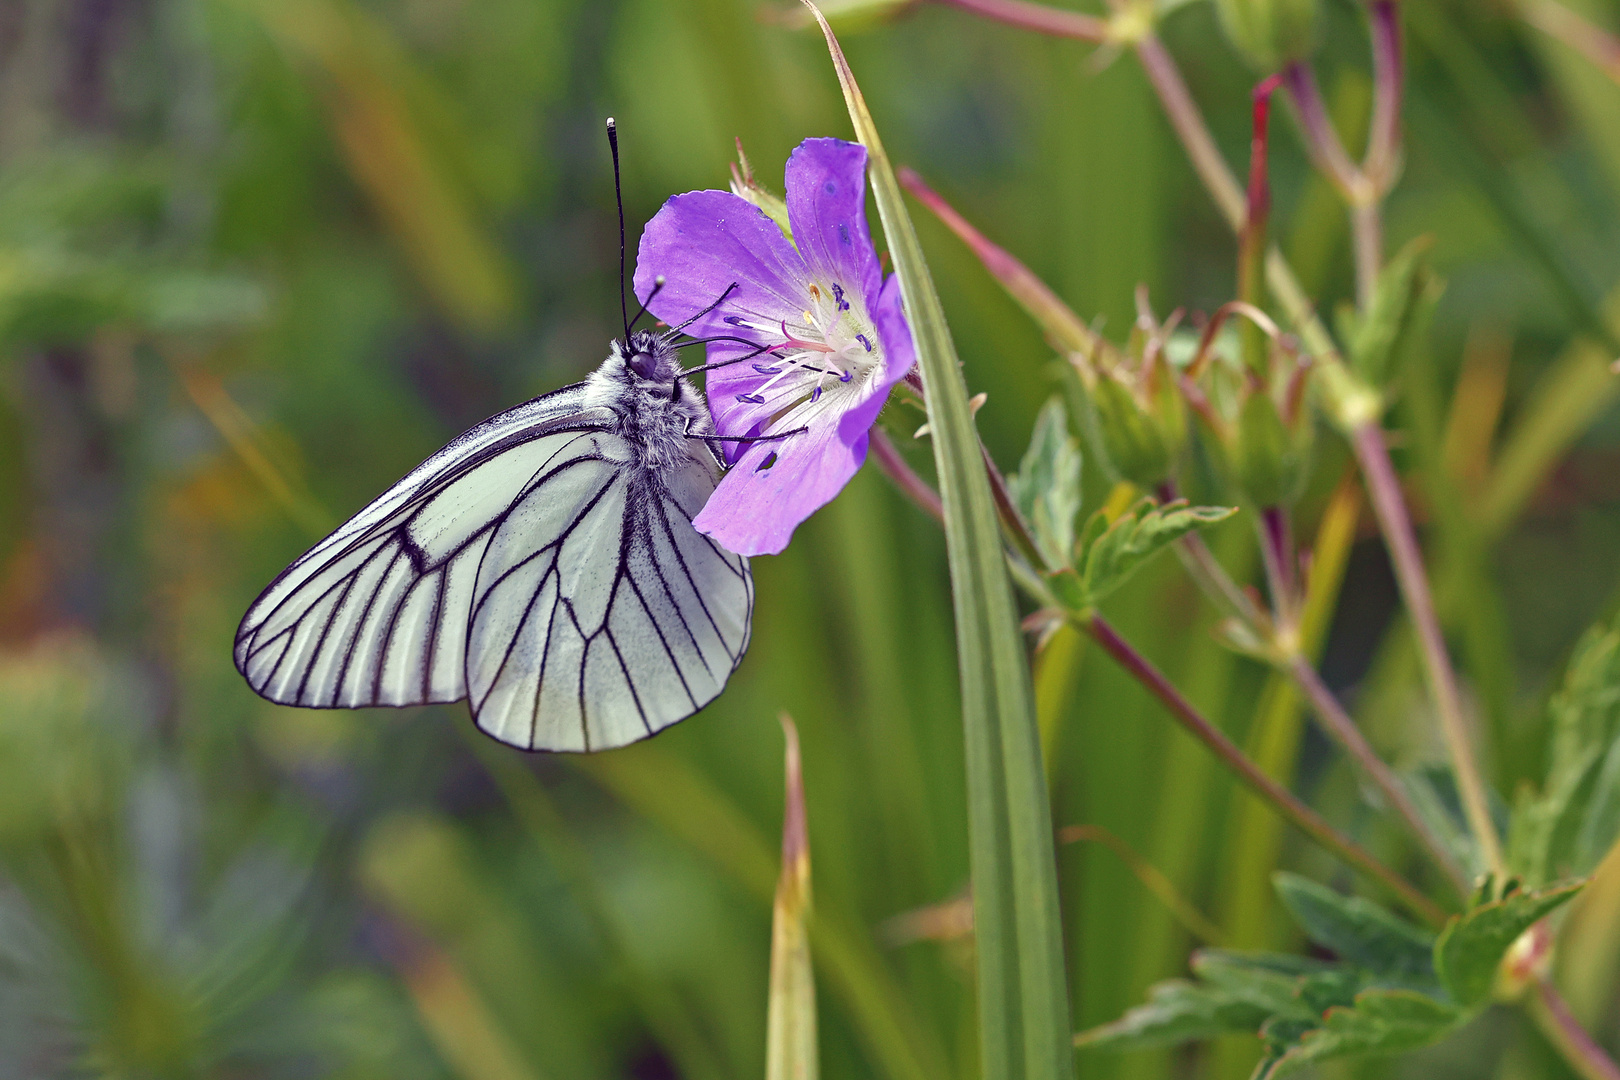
<point x="533" y="566"/>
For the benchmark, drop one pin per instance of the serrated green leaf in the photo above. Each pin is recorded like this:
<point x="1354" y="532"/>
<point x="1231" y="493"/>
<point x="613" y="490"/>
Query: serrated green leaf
<point x="1358" y="930"/>
<point x="1176" y="1012"/>
<point x="1268" y="981"/>
<point x="1380" y="1022"/>
<point x="1472" y="945"/>
<point x="1112" y="553"/>
<point x="1046" y="488"/>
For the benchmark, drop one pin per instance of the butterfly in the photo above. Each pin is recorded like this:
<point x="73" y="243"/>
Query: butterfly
<point x="543" y="565"/>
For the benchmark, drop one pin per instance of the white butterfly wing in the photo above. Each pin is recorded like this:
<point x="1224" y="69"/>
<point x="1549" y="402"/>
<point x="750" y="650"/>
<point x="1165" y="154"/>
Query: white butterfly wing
<point x="531" y="562"/>
<point x="376" y="613"/>
<point x="596" y="629"/>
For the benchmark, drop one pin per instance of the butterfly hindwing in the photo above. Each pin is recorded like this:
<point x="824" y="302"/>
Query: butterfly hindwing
<point x="376" y="613"/>
<point x="597" y="628"/>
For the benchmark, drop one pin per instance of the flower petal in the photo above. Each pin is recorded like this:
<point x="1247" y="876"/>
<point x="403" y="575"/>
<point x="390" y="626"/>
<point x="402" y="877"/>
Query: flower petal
<point x="894" y="333"/>
<point x="754" y="511"/>
<point x="826" y="201"/>
<point x="704" y="241"/>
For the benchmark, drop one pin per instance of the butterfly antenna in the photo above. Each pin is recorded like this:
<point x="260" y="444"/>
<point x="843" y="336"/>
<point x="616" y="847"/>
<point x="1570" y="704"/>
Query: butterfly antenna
<point x="658" y="284"/>
<point x="618" y="195"/>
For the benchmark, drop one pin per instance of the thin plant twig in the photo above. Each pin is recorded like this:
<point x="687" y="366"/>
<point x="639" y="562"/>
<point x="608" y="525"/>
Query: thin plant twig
<point x="1384" y="133"/>
<point x="905" y="478"/>
<point x="1592" y="41"/>
<point x="1152" y="878"/>
<point x="1343" y="730"/>
<point x="1053" y="22"/>
<point x="1383" y="488"/>
<point x="1558" y="1023"/>
<point x="1306" y="819"/>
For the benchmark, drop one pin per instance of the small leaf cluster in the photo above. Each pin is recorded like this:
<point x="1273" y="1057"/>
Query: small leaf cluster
<point x="1392" y="987"/>
<point x="1082" y="568"/>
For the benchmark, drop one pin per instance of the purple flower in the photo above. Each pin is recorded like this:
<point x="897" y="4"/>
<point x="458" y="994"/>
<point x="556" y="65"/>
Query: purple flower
<point x="818" y="336"/>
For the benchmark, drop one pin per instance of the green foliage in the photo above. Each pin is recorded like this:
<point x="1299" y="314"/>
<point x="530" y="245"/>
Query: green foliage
<point x="1378" y="1022"/>
<point x="1133" y="443"/>
<point x="1398" y="317"/>
<point x="1471" y="947"/>
<point x="1358" y="930"/>
<point x="1270" y="33"/>
<point x="1393" y="987"/>
<point x="1109" y="552"/>
<point x="1563" y="830"/>
<point x="1046" y="488"/>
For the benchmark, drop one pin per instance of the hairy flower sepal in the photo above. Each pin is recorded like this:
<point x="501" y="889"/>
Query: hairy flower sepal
<point x="1259" y="421"/>
<point x="810" y="336"/>
<point x="1130" y="409"/>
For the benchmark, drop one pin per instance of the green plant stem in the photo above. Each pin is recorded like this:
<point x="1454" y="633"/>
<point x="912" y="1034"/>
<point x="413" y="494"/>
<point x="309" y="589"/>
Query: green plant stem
<point x="1024" y="1022"/>
<point x="1367" y="237"/>
<point x="1383" y="488"/>
<point x="1189" y="124"/>
<point x="1286" y="803"/>
<point x="1552" y="1015"/>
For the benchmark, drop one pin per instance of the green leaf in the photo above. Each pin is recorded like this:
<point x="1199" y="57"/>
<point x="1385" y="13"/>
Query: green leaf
<point x="1563" y="830"/>
<point x="1176" y="1012"/>
<point x="1396" y="312"/>
<point x="1271" y="982"/>
<point x="1023" y="998"/>
<point x="1472" y="945"/>
<point x="1046" y="488"/>
<point x="1380" y="1022"/>
<point x="1358" y="930"/>
<point x="1112" y="553"/>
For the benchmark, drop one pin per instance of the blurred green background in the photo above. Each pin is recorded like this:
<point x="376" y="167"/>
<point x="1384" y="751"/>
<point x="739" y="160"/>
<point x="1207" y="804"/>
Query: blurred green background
<point x="259" y="257"/>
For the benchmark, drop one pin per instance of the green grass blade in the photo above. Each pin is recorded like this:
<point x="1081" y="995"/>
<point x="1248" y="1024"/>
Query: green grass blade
<point x="669" y="792"/>
<point x="1023" y="993"/>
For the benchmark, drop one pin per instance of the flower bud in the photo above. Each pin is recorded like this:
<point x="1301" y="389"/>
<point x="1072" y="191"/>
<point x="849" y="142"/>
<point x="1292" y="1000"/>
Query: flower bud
<point x="1135" y="431"/>
<point x="1270" y="34"/>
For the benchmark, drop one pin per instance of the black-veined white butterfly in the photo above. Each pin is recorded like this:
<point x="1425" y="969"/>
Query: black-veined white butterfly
<point x="543" y="565"/>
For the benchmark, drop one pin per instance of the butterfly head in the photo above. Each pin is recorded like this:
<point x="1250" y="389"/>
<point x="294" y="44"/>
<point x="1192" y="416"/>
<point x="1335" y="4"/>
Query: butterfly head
<point x="648" y="358"/>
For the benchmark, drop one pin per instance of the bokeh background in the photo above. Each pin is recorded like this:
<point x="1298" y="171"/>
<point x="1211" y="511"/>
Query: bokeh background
<point x="259" y="257"/>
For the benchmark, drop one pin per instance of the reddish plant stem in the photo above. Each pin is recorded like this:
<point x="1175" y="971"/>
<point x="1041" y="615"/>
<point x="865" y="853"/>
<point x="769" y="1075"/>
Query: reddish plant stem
<point x="1558" y="1023"/>
<point x="1252" y="238"/>
<point x="1383" y="487"/>
<point x="1037" y="17"/>
<point x="1322" y="143"/>
<point x="1263" y="785"/>
<point x="1337" y="723"/>
<point x="1592" y="41"/>
<point x="1384" y="134"/>
<point x="905" y="478"/>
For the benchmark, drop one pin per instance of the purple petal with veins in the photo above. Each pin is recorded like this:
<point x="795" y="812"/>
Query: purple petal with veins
<point x="823" y="337"/>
